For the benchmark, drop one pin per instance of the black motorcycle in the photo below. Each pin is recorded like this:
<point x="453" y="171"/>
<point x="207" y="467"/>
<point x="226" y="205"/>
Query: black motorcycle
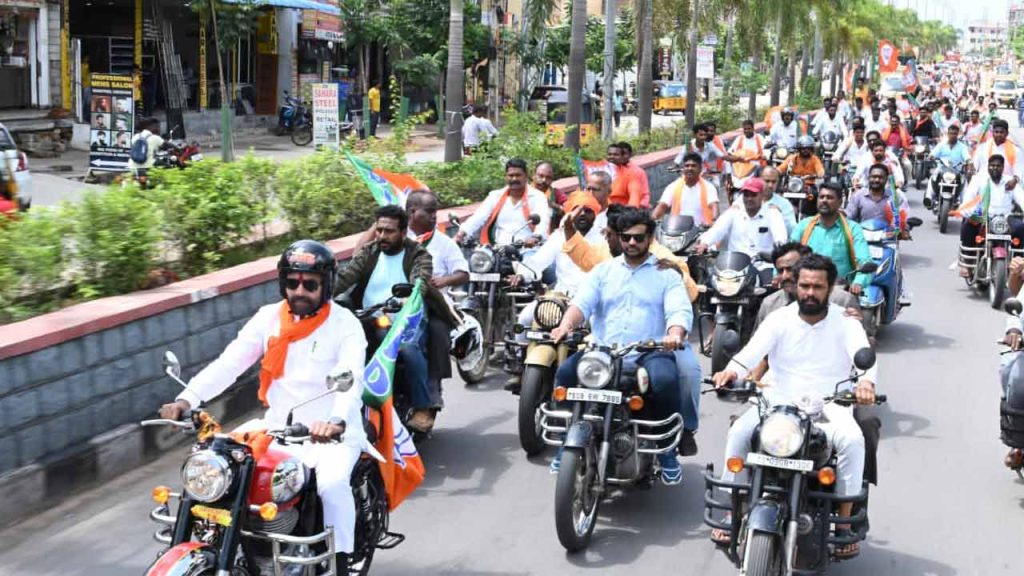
<point x="782" y="520"/>
<point x="604" y="437"/>
<point x="802" y="193"/>
<point x="920" y="160"/>
<point x="733" y="298"/>
<point x="249" y="509"/>
<point x="949" y="180"/>
<point x="1011" y="405"/>
<point x="827" y="149"/>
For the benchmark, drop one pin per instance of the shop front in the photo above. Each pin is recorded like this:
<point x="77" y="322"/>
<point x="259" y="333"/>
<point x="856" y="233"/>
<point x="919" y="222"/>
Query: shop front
<point x="24" y="54"/>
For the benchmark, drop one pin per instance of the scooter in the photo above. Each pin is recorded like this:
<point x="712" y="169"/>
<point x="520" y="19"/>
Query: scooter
<point x="881" y="299"/>
<point x="287" y="116"/>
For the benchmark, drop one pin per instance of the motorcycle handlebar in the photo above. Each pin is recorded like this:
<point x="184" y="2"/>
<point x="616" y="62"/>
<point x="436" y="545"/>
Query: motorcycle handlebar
<point x="298" y="434"/>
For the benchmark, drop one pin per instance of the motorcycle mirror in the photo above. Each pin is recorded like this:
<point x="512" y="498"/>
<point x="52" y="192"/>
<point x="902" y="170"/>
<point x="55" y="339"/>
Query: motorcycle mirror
<point x="868" y="268"/>
<point x="452" y="218"/>
<point x="731" y="342"/>
<point x="401" y="290"/>
<point x="1013" y="307"/>
<point x="864" y="358"/>
<point x="171" y="365"/>
<point x="914" y="222"/>
<point x="340" y="382"/>
<point x="534" y="219"/>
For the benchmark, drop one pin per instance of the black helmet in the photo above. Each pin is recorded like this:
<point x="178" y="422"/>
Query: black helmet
<point x="308" y="256"/>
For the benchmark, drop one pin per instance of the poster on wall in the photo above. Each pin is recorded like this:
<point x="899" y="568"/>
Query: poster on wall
<point x="325" y="116"/>
<point x="705" y="62"/>
<point x="112" y="111"/>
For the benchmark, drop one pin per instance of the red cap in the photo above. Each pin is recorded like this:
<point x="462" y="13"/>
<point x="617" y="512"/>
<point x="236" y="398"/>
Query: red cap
<point x="753" y="185"/>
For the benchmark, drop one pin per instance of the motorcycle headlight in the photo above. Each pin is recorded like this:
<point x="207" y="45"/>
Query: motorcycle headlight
<point x="795" y="185"/>
<point x="594" y="369"/>
<point x="673" y="243"/>
<point x="728" y="283"/>
<point x="781" y="435"/>
<point x="548" y="314"/>
<point x="206" y="476"/>
<point x="999" y="225"/>
<point x="949" y="177"/>
<point x="781" y="152"/>
<point x="288" y="479"/>
<point x="481" y="260"/>
<point x="919" y="149"/>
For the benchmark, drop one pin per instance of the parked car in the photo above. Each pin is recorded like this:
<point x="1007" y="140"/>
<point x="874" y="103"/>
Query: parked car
<point x="16" y="163"/>
<point x="1006" y="92"/>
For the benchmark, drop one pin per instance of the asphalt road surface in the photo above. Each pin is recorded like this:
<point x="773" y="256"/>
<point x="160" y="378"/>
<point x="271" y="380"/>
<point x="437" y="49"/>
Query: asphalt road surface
<point x="945" y="504"/>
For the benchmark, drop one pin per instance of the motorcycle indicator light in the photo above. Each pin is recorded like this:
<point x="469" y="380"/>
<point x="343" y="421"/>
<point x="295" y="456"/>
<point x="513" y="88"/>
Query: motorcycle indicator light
<point x="559" y="393"/>
<point x="734" y="464"/>
<point x="1015" y="241"/>
<point x="268" y="511"/>
<point x="161" y="494"/>
<point x="382" y="321"/>
<point x="826" y="476"/>
<point x="636" y="403"/>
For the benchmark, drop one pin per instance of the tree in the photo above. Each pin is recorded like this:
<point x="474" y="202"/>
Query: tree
<point x="454" y="85"/>
<point x="691" y="68"/>
<point x="577" y="71"/>
<point x="607" y="125"/>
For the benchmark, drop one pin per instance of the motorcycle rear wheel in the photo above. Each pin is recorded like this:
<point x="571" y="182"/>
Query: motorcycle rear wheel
<point x="943" y="216"/>
<point x="997" y="288"/>
<point x="575" y="503"/>
<point x="535" y="389"/>
<point x="765" y="556"/>
<point x="302" y="136"/>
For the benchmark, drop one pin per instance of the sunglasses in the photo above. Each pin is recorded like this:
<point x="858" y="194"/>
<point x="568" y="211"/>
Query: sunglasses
<point x="309" y="285"/>
<point x="638" y="238"/>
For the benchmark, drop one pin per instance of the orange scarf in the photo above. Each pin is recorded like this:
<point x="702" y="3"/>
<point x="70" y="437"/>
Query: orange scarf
<point x="485" y="236"/>
<point x="1009" y="152"/>
<point x="290" y="331"/>
<point x="846" y="233"/>
<point x="760" y="148"/>
<point x="677" y="201"/>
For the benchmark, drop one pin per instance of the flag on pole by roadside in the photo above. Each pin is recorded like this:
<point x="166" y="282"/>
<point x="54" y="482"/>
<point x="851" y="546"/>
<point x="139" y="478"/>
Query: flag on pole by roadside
<point x="386" y="187"/>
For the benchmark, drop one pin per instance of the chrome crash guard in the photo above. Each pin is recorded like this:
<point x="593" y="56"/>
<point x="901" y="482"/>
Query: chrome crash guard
<point x="738" y="496"/>
<point x="647" y="439"/>
<point x="163" y="517"/>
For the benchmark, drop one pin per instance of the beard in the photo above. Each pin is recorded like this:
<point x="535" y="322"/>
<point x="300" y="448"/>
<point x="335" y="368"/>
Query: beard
<point x="301" y="305"/>
<point x="811" y="306"/>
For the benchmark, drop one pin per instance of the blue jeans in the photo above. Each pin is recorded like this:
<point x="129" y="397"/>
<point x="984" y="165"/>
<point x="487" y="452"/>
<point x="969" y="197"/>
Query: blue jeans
<point x="660" y="366"/>
<point x="689" y="387"/>
<point x="413" y="357"/>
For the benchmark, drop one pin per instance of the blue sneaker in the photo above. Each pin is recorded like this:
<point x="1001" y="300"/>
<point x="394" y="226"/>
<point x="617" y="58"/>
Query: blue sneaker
<point x="671" y="471"/>
<point x="556" y="463"/>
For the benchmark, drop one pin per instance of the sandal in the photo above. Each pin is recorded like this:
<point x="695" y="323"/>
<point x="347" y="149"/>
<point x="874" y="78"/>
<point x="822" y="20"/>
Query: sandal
<point x="849" y="550"/>
<point x="722" y="537"/>
<point x="1015" y="459"/>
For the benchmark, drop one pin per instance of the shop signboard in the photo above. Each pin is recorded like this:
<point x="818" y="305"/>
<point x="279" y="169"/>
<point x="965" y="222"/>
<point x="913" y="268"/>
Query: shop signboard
<point x="112" y="112"/>
<point x="325" y="115"/>
<point x="705" y="62"/>
<point x="321" y="26"/>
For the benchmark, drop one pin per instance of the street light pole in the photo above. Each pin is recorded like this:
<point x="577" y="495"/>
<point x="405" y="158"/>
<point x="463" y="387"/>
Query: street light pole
<point x="607" y="126"/>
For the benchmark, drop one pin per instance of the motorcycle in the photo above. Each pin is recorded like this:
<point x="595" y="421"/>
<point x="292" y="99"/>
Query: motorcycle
<point x="826" y="150"/>
<point x="543" y="357"/>
<point x="779" y="155"/>
<point x="492" y="302"/>
<point x="177" y="153"/>
<point x="289" y="114"/>
<point x="920" y="160"/>
<point x="782" y="519"/>
<point x="1011" y="405"/>
<point x="247" y="508"/>
<point x="881" y="299"/>
<point x="950" y="182"/>
<point x="742" y="170"/>
<point x="733" y="299"/>
<point x="604" y="440"/>
<point x="987" y="264"/>
<point x="802" y="193"/>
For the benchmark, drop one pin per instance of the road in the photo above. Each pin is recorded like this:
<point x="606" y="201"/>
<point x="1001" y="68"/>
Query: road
<point x="945" y="506"/>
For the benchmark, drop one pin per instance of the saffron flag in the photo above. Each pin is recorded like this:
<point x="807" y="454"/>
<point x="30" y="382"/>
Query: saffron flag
<point x="386" y="187"/>
<point x="585" y="168"/>
<point x="910" y="84"/>
<point x="888" y="57"/>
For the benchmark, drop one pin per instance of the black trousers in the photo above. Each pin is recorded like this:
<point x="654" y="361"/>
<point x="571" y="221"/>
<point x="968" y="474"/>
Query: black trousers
<point x="870" y="426"/>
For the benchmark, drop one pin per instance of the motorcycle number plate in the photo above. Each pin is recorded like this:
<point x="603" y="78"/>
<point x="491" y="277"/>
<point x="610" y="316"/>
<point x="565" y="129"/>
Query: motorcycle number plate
<point x="877" y="252"/>
<point x="586" y="395"/>
<point x="783" y="463"/>
<point x="946" y="195"/>
<point x="485" y="277"/>
<point x="991" y="237"/>
<point x="535" y="335"/>
<point x="215" y="515"/>
<point x="794" y="195"/>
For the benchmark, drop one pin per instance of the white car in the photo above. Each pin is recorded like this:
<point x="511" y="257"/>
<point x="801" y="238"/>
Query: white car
<point x="891" y="86"/>
<point x="16" y="163"/>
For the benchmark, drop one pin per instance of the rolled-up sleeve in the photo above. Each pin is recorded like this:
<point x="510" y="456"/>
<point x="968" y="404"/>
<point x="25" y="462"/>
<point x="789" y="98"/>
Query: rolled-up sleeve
<point x="678" y="311"/>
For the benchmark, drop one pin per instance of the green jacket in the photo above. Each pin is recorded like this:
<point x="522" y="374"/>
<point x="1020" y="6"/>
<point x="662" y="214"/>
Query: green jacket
<point x="417" y="264"/>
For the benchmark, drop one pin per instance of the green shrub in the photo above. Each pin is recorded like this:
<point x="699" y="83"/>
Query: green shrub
<point x="322" y="197"/>
<point x="206" y="209"/>
<point x="33" y="259"/>
<point x="116" y="236"/>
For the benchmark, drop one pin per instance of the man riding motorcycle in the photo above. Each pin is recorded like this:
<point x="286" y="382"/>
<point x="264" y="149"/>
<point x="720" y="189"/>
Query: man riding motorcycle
<point x="804" y="163"/>
<point x="989" y="193"/>
<point x="690" y="195"/>
<point x="924" y="126"/>
<point x="830" y="121"/>
<point x="879" y="154"/>
<point x="629" y="183"/>
<point x="304" y="340"/>
<point x="974" y="130"/>
<point x="1001" y="144"/>
<point x="770" y="177"/>
<point x="710" y="154"/>
<point x="630" y="299"/>
<point x="897" y="138"/>
<point x="785" y="133"/>
<point x="875" y="120"/>
<point x="851" y="150"/>
<point x="504" y="215"/>
<point x="831" y="234"/>
<point x="953" y="152"/>
<point x="809" y="347"/>
<point x="394" y="258"/>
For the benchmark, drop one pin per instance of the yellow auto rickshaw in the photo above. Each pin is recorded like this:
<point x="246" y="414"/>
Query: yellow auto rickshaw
<point x="557" y="105"/>
<point x="669" y="96"/>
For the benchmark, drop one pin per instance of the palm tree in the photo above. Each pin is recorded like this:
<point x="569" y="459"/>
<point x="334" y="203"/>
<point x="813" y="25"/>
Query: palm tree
<point x="607" y="124"/>
<point x="691" y="67"/>
<point x="577" y="72"/>
<point x="645" y="79"/>
<point x="455" y="84"/>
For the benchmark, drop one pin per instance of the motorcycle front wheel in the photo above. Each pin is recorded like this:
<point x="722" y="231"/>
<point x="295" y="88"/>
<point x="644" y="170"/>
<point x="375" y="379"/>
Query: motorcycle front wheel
<point x="535" y="389"/>
<point x="719" y="357"/>
<point x="943" y="215"/>
<point x="765" y="558"/>
<point x="576" y="502"/>
<point x="302" y="136"/>
<point x="478" y="372"/>
<point x="997" y="287"/>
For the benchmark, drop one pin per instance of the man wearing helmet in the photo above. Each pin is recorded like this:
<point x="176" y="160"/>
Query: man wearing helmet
<point x="804" y="163"/>
<point x="394" y="258"/>
<point x="786" y="132"/>
<point x="303" y="339"/>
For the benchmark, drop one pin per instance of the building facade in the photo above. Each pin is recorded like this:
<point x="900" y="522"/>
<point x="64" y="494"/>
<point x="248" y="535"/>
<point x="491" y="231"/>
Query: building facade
<point x="25" y="52"/>
<point x="981" y="35"/>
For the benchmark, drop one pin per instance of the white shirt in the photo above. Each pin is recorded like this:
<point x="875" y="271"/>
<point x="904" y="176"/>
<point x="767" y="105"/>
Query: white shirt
<point x="1001" y="200"/>
<point x="849" y="151"/>
<point x="741" y="142"/>
<point x="446" y="255"/>
<point x="153" y="144"/>
<point x="823" y="124"/>
<point x="784" y="135"/>
<point x="473" y="128"/>
<point x="569" y="275"/>
<point x="336" y="346"/>
<point x="746" y="234"/>
<point x="872" y="125"/>
<point x="860" y="176"/>
<point x="601" y="222"/>
<point x="691" y="205"/>
<point x="805" y="359"/>
<point x="509" y="226"/>
<point x="987" y="149"/>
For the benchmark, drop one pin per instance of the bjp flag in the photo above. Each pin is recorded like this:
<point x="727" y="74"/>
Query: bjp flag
<point x="888" y="57"/>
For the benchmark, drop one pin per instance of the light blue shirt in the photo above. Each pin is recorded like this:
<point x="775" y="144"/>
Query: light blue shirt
<point x="386" y="274"/>
<point x="626" y="304"/>
<point x="788" y="214"/>
<point x="958" y="154"/>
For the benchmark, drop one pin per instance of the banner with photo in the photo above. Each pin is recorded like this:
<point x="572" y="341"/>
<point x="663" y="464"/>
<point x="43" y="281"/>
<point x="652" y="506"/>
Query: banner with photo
<point x="112" y="111"/>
